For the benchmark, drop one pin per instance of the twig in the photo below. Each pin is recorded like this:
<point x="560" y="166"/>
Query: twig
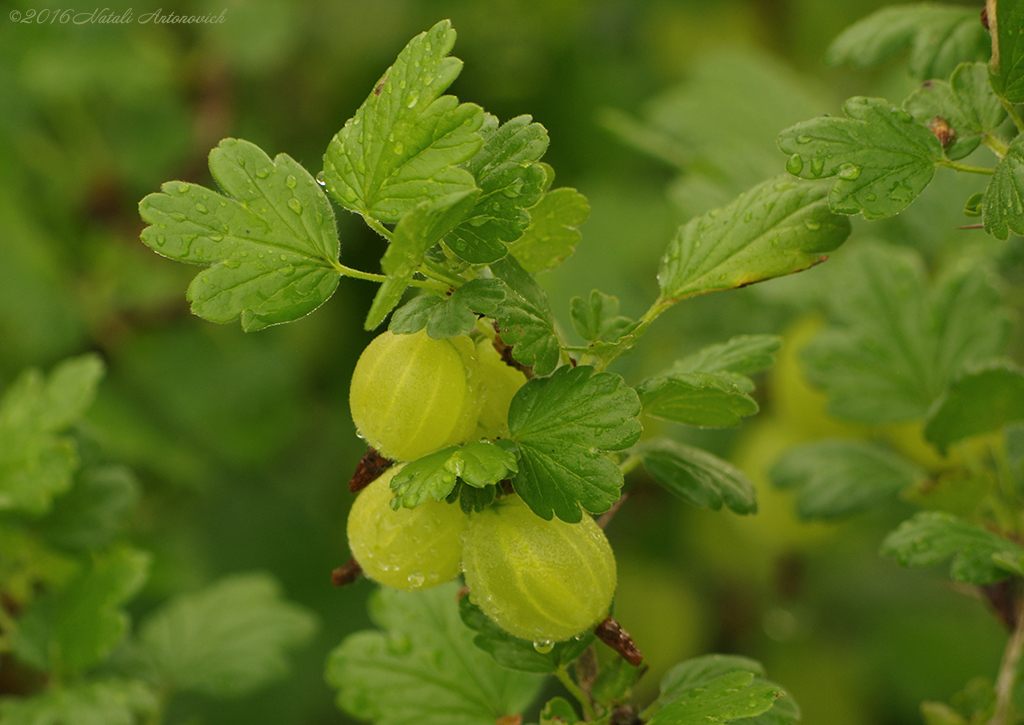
<point x="1008" y="671"/>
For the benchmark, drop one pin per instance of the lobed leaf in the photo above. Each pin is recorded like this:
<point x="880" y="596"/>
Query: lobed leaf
<point x="553" y="232"/>
<point x="704" y="400"/>
<point x="450" y="315"/>
<point x="598" y="318"/>
<point x="698" y="477"/>
<point x="881" y="158"/>
<point x="405" y="144"/>
<point x="1005" y="20"/>
<point x="97" y="702"/>
<point x="728" y="697"/>
<point x="1003" y="205"/>
<point x="270" y="239"/>
<point x="984" y="399"/>
<point x="93" y="512"/>
<point x="779" y="227"/>
<point x="842" y="477"/>
<point x="742" y="355"/>
<point x="477" y="464"/>
<point x="524" y="318"/>
<point x="559" y="425"/>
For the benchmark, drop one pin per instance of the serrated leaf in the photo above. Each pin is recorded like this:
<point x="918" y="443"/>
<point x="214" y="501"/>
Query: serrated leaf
<point x="405" y="143"/>
<point x="698" y="477"/>
<point x="931" y="537"/>
<point x="524" y="318"/>
<point x="101" y="702"/>
<point x="598" y="318"/>
<point x="417" y="232"/>
<point x="424" y="652"/>
<point x="841" y="477"/>
<point x="92" y="513"/>
<point x="1003" y="205"/>
<point x="506" y="171"/>
<point x="939" y="37"/>
<point x="699" y="399"/>
<point x="560" y="424"/>
<point x="694" y="673"/>
<point x="1007" y="64"/>
<point x="514" y="653"/>
<point x="73" y="629"/>
<point x="270" y="238"/>
<point x="982" y="400"/>
<point x="450" y="315"/>
<point x="881" y="158"/>
<point x="477" y="464"/>
<point x="227" y="640"/>
<point x="966" y="102"/>
<point x="779" y="227"/>
<point x="725" y="698"/>
<point x="472" y="499"/>
<point x="553" y="233"/>
<point x="36" y="463"/>
<point x="742" y="355"/>
<point x="895" y="344"/>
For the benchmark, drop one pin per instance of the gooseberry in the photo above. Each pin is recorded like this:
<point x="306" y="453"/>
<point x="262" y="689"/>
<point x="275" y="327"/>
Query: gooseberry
<point x="545" y="581"/>
<point x="412" y="395"/>
<point x="409" y="548"/>
<point x="499" y="382"/>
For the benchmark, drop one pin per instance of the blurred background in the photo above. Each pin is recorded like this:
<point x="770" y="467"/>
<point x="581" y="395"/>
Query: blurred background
<point x="244" y="443"/>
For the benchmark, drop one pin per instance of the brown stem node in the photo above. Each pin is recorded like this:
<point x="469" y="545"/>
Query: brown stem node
<point x="346" y="573"/>
<point x="612" y="634"/>
<point x="370" y="466"/>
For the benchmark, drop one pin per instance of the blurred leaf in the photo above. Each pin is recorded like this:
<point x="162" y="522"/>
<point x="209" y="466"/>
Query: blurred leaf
<point x="841" y="477"/>
<point x="698" y="399"/>
<point x="450" y="315"/>
<point x="524" y="318"/>
<point x="93" y="512"/>
<point x="698" y="477"/>
<point x="510" y="180"/>
<point x="553" y="233"/>
<point x="931" y="537"/>
<point x="939" y="713"/>
<point x="1007" y="68"/>
<point x="28" y="566"/>
<point x="417" y="232"/>
<point x="35" y="463"/>
<point x="981" y="400"/>
<point x="423" y="666"/>
<point x="100" y="702"/>
<point x="404" y="145"/>
<point x="724" y="698"/>
<point x="271" y="237"/>
<point x="966" y="103"/>
<point x="513" y="653"/>
<point x="1001" y="208"/>
<point x="939" y="37"/>
<point x="615" y="681"/>
<point x="560" y="426"/>
<point x="227" y="640"/>
<point x="558" y="711"/>
<point x="894" y="344"/>
<point x="477" y="464"/>
<point x="881" y="157"/>
<point x="779" y="227"/>
<point x="598" y="318"/>
<point x="73" y="629"/>
<point x="742" y="355"/>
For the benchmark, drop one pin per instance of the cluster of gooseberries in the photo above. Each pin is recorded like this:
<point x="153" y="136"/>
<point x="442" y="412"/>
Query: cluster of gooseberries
<point x="412" y="395"/>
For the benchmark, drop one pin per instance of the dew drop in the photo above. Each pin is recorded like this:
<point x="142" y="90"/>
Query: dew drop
<point x="416" y="579"/>
<point x="241" y="161"/>
<point x="848" y="171"/>
<point x="795" y="164"/>
<point x="320" y="179"/>
<point x="177" y="216"/>
<point x="399" y="147"/>
<point x="160" y="240"/>
<point x="812" y="225"/>
<point x="216" y="237"/>
<point x="201" y="208"/>
<point x="287" y="271"/>
<point x="803" y="139"/>
<point x="295" y="206"/>
<point x="543" y="646"/>
<point x="817" y="166"/>
<point x="262" y="174"/>
<point x="413" y="100"/>
<point x="232" y="264"/>
<point x="290" y="181"/>
<point x="182" y="188"/>
<point x="284" y="258"/>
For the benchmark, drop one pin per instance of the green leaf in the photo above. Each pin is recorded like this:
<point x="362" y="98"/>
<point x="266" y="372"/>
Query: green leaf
<point x="558" y="711"/>
<point x="598" y="318"/>
<point x="895" y="344"/>
<point x="271" y="238"/>
<point x="1003" y="205"/>
<point x="698" y="399"/>
<point x="742" y="355"/>
<point x="506" y="171"/>
<point x="100" y="702"/>
<point x="553" y="233"/>
<point x="841" y="477"/>
<point x="524" y="318"/>
<point x="725" y="698"/>
<point x="698" y="477"/>
<point x="514" y="653"/>
<point x="73" y="629"/>
<point x="422" y="666"/>
<point x="418" y="231"/>
<point x="931" y="537"/>
<point x="779" y="227"/>
<point x="228" y="639"/>
<point x="404" y="145"/>
<point x="615" y="681"/>
<point x="982" y="400"/>
<point x="450" y="315"/>
<point x="560" y="424"/>
<point x="939" y="37"/>
<point x="472" y="499"/>
<point x="881" y="157"/>
<point x="477" y="463"/>
<point x="93" y="512"/>
<point x="36" y="464"/>
<point x="966" y="103"/>
<point x="1007" y="66"/>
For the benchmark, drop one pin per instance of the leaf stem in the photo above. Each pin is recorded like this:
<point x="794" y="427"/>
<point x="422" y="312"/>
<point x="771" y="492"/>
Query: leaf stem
<point x="377" y="227"/>
<point x="563" y="676"/>
<point x="966" y="168"/>
<point x="1012" y="111"/>
<point x="379" y="278"/>
<point x="995" y="144"/>
<point x="1007" y="679"/>
<point x="629" y="341"/>
<point x="435" y="271"/>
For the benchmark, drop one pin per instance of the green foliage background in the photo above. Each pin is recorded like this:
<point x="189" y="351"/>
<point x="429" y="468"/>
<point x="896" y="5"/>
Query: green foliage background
<point x="243" y="442"/>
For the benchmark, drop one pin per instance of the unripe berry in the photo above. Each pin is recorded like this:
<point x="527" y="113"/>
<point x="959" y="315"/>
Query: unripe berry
<point x="498" y="384"/>
<point x="545" y="581"/>
<point x="412" y="395"/>
<point x="409" y="548"/>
